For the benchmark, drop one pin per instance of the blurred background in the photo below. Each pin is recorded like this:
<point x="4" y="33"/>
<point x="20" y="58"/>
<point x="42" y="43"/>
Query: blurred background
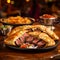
<point x="29" y="8"/>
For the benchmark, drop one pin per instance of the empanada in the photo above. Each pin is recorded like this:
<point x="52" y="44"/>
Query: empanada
<point x="46" y="38"/>
<point x="12" y="38"/>
<point x="52" y="34"/>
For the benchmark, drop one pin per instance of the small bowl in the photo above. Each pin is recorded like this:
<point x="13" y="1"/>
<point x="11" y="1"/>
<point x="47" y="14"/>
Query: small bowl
<point x="47" y="21"/>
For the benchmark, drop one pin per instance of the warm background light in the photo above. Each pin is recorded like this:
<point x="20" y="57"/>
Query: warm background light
<point x="27" y="0"/>
<point x="8" y="1"/>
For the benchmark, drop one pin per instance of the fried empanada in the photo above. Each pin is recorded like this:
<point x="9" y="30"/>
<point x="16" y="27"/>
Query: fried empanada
<point x="12" y="38"/>
<point x="52" y="34"/>
<point x="46" y="38"/>
<point x="35" y="33"/>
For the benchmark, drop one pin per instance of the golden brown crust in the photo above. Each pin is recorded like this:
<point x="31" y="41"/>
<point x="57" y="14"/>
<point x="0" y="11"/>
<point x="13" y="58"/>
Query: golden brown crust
<point x="41" y="27"/>
<point x="14" y="30"/>
<point x="19" y="28"/>
<point x="52" y="34"/>
<point x="12" y="38"/>
<point x="46" y="38"/>
<point x="35" y="33"/>
<point x="47" y="35"/>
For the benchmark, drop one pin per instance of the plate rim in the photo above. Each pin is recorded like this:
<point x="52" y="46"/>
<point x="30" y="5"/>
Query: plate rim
<point x="51" y="47"/>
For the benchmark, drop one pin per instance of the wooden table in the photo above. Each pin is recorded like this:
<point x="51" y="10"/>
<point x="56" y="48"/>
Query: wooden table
<point x="9" y="54"/>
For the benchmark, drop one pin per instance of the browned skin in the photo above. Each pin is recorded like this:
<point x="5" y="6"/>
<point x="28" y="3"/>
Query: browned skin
<point x="9" y="54"/>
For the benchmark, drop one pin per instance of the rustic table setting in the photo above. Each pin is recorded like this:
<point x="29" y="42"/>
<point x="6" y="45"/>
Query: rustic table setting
<point x="11" y="54"/>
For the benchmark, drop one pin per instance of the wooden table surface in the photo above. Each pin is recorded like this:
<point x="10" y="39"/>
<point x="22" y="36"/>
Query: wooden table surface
<point x="9" y="54"/>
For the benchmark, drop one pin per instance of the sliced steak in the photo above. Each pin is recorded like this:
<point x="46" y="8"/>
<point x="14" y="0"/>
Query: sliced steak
<point x="41" y="43"/>
<point x="22" y="38"/>
<point x="29" y="39"/>
<point x="18" y="42"/>
<point x="25" y="35"/>
<point x="35" y="41"/>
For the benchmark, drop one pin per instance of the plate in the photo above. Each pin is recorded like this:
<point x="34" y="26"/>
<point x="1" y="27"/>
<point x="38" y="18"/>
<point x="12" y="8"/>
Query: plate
<point x="35" y="49"/>
<point x="4" y="23"/>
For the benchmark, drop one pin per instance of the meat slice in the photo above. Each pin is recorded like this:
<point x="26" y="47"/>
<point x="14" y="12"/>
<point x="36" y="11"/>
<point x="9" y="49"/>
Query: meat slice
<point x="29" y="39"/>
<point x="22" y="38"/>
<point x="25" y="35"/>
<point x="35" y="41"/>
<point x="41" y="43"/>
<point x="18" y="42"/>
